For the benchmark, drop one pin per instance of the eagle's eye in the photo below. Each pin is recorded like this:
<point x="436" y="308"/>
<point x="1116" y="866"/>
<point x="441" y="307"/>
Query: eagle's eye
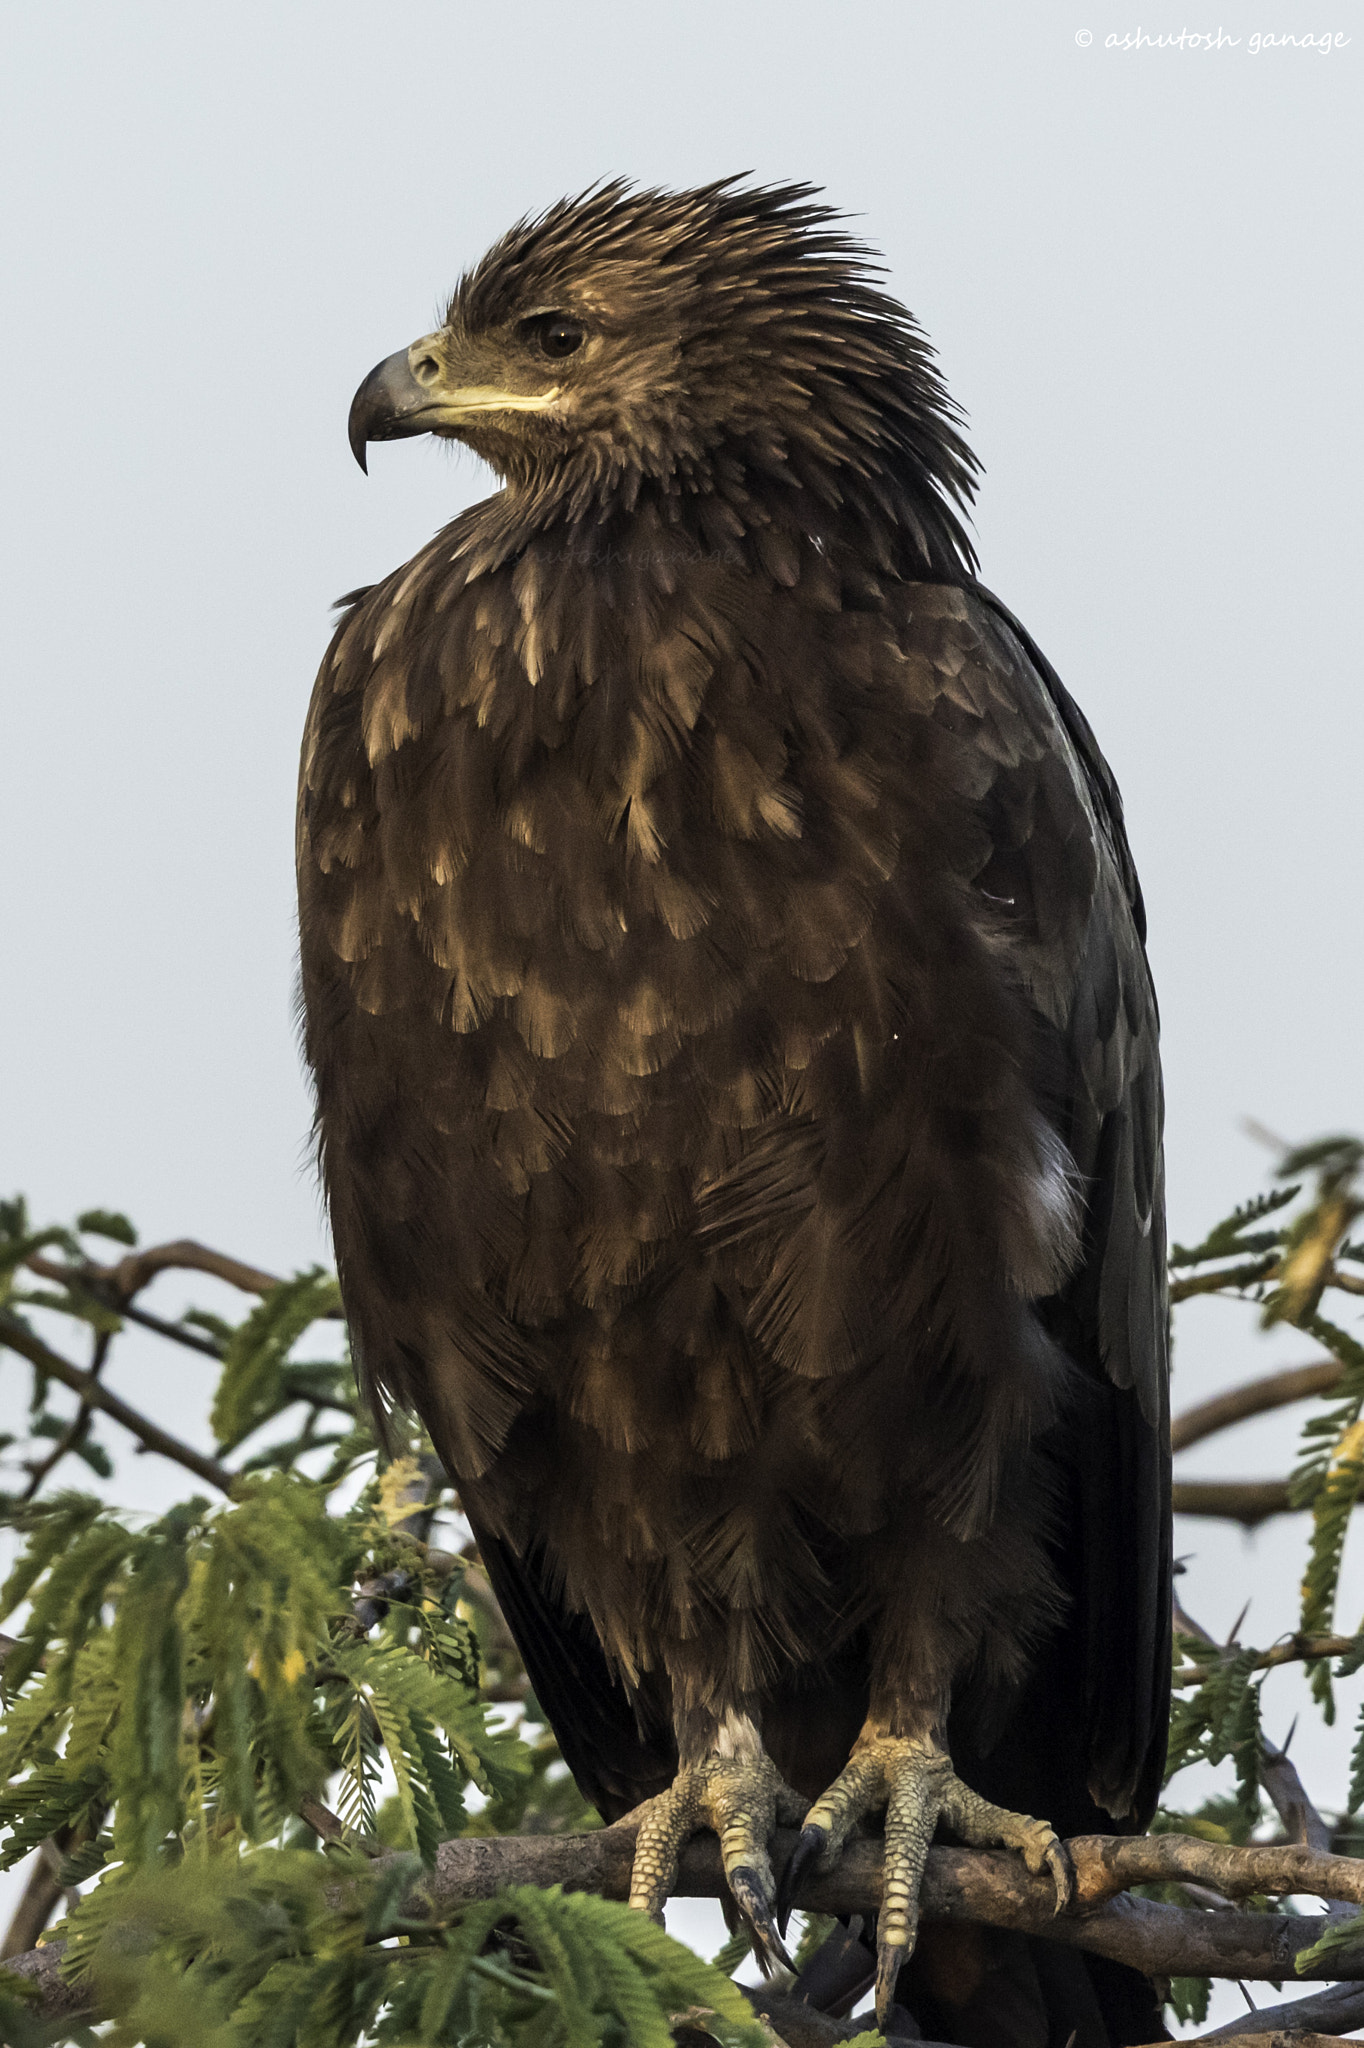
<point x="554" y="334"/>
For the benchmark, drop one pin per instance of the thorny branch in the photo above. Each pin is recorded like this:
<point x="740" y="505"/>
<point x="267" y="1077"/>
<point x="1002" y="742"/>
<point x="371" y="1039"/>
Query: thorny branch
<point x="1253" y="1397"/>
<point x="95" y="1394"/>
<point x="1247" y="1501"/>
<point x="1298" y="1649"/>
<point x="994" y="1889"/>
<point x="115" y="1287"/>
<point x="78" y="1428"/>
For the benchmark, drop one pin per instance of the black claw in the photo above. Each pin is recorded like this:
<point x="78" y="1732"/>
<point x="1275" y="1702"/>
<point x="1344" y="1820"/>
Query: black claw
<point x="751" y="1897"/>
<point x="1063" y="1877"/>
<point x="808" y="1850"/>
<point x="888" y="1962"/>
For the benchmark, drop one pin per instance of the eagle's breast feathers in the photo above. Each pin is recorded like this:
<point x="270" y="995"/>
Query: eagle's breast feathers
<point x="688" y="948"/>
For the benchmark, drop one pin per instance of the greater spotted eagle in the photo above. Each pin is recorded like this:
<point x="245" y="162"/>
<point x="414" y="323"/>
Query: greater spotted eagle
<point x="737" y="1077"/>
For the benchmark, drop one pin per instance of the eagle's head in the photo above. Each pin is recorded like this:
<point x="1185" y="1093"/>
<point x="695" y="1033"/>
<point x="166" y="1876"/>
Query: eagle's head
<point x="727" y="341"/>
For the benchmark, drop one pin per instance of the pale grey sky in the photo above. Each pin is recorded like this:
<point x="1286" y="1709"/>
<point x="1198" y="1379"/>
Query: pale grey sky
<point x="1140" y="269"/>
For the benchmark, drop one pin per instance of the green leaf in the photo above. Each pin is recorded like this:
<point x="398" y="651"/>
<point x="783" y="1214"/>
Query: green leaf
<point x="263" y="1596"/>
<point x="149" y="1656"/>
<point x="110" y="1223"/>
<point x="71" y="1589"/>
<point x="1220" y="1720"/>
<point x="250" y="1388"/>
<point x="1227" y="1239"/>
<point x="1189" y="1999"/>
<point x="45" y="1800"/>
<point x="16" y="1249"/>
<point x="85" y="1862"/>
<point x="1341" y="1934"/>
<point x="435" y="1734"/>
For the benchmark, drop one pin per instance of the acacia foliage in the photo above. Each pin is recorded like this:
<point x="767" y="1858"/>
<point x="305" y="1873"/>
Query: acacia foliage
<point x="245" y="1726"/>
<point x="1289" y="1253"/>
<point x="191" y="1696"/>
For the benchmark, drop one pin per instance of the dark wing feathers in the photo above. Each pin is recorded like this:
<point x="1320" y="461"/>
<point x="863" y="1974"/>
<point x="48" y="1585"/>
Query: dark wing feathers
<point x="1094" y="988"/>
<point x="1104" y="792"/>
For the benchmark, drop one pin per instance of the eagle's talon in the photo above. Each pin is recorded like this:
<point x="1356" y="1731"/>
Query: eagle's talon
<point x="1058" y="1862"/>
<point x="752" y="1896"/>
<point x="740" y="1797"/>
<point x="913" y="1779"/>
<point x="889" y="1958"/>
<point x="807" y="1855"/>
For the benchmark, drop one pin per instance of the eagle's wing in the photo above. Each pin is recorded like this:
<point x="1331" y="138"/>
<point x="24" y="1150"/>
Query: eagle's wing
<point x="1060" y="880"/>
<point x="619" y="1751"/>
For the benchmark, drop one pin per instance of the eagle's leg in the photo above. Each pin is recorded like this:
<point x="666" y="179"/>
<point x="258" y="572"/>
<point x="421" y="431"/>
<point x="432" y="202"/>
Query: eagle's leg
<point x="912" y="1779"/>
<point x="730" y="1784"/>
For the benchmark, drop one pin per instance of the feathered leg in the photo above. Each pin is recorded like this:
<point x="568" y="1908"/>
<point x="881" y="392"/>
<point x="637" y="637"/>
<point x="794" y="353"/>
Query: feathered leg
<point x="954" y="1600"/>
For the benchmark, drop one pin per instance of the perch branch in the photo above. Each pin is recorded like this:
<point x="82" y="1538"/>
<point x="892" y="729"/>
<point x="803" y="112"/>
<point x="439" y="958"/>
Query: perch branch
<point x="993" y="1889"/>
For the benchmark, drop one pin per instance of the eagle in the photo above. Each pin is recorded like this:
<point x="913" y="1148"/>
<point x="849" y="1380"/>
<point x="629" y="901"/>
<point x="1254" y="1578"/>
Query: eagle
<point x="737" y="1077"/>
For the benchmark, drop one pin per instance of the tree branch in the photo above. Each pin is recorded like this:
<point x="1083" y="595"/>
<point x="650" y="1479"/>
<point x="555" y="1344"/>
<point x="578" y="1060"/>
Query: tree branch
<point x="1248" y="1501"/>
<point x="41" y="1894"/>
<point x="1297" y="1650"/>
<point x="1225" y="1280"/>
<point x="133" y="1273"/>
<point x="1332" y="2012"/>
<point x="193" y="1340"/>
<point x="76" y="1430"/>
<point x="1301" y="1820"/>
<point x="1256" y="1397"/>
<point x="56" y="1999"/>
<point x="993" y="1889"/>
<point x="1240" y="2034"/>
<point x="130" y="1275"/>
<point x="149" y="1434"/>
<point x="117" y="1285"/>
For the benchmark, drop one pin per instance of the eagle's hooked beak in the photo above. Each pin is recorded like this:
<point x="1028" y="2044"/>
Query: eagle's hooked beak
<point x="410" y="393"/>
